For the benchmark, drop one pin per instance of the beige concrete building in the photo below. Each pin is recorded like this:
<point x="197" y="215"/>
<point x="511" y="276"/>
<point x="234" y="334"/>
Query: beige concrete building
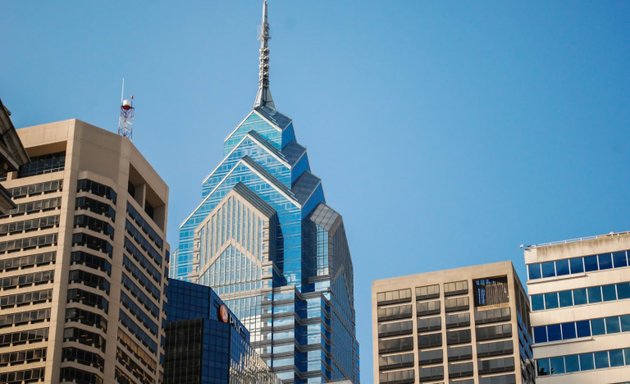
<point x="466" y="325"/>
<point x="83" y="260"/>
<point x="580" y="291"/>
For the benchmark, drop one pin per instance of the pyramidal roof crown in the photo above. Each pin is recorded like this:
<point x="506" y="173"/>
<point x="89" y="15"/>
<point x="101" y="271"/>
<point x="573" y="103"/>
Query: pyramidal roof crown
<point x="263" y="96"/>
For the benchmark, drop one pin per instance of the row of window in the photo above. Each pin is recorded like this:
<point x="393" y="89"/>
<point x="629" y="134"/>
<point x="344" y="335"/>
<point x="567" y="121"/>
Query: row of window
<point x="92" y="242"/>
<point x="96" y="225"/>
<point x="36" y="189"/>
<point x="34" y="297"/>
<point x="22" y="357"/>
<point x="138" y="313"/>
<point x="29" y="375"/>
<point x="90" y="299"/>
<point x="27" y="280"/>
<point x="583" y="362"/>
<point x="74" y="375"/>
<point x="398" y="377"/>
<point x="140" y="296"/>
<point x="39" y="165"/>
<point x="34" y="207"/>
<point x="581" y="296"/>
<point x="96" y="206"/>
<point x="584" y="328"/>
<point x="92" y="261"/>
<point x="88" y="279"/>
<point x="144" y="244"/>
<point x="29" y="225"/>
<point x="23" y="337"/>
<point x="138" y="372"/>
<point x="84" y="337"/>
<point x="27" y="261"/>
<point x="140" y="277"/>
<point x="28" y="243"/>
<point x="20" y="318"/>
<point x="86" y="317"/>
<point x="138" y="351"/>
<point x="98" y="189"/>
<point x="153" y="235"/>
<point x="83" y="357"/>
<point x="142" y="260"/>
<point x="138" y="332"/>
<point x="575" y="265"/>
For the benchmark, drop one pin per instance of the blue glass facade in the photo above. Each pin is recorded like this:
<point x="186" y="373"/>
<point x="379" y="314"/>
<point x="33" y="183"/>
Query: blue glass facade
<point x="265" y="240"/>
<point x="201" y="348"/>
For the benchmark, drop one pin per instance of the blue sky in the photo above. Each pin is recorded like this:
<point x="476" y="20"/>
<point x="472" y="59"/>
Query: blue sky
<point x="446" y="133"/>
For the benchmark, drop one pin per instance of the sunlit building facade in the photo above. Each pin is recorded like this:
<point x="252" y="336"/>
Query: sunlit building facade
<point x="580" y="299"/>
<point x="462" y="326"/>
<point x="265" y="240"/>
<point x="83" y="261"/>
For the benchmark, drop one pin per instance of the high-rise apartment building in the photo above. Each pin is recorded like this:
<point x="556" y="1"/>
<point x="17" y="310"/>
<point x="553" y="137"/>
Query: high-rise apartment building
<point x="206" y="343"/>
<point x="265" y="240"/>
<point x="461" y="326"/>
<point x="83" y="261"/>
<point x="12" y="155"/>
<point x="580" y="291"/>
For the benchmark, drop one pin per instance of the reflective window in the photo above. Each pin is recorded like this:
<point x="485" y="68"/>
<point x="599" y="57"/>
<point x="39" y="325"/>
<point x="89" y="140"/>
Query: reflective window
<point x="571" y="363"/>
<point x="616" y="358"/>
<point x="594" y="294"/>
<point x="455" y="288"/>
<point x="568" y="331"/>
<point x="605" y="261"/>
<point x="619" y="259"/>
<point x="463" y="352"/>
<point x="625" y="323"/>
<point x="551" y="300"/>
<point x="590" y="263"/>
<point x="430" y="323"/>
<point x="548" y="269"/>
<point x="397" y="296"/>
<point x="557" y="365"/>
<point x="538" y="302"/>
<point x="583" y="328"/>
<point x="579" y="296"/>
<point x="553" y="332"/>
<point x="430" y="357"/>
<point x="609" y="292"/>
<point x="544" y="368"/>
<point x="428" y="292"/>
<point x="623" y="290"/>
<point x="566" y="298"/>
<point x="598" y="327"/>
<point x="562" y="267"/>
<point x="540" y="334"/>
<point x="458" y="337"/>
<point x="601" y="359"/>
<point x="577" y="265"/>
<point x="586" y="362"/>
<point x="534" y="271"/>
<point x="612" y="325"/>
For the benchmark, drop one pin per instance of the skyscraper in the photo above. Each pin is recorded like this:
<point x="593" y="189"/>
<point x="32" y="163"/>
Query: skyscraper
<point x="265" y="240"/>
<point x="83" y="261"/>
<point x="462" y="326"/>
<point x="579" y="291"/>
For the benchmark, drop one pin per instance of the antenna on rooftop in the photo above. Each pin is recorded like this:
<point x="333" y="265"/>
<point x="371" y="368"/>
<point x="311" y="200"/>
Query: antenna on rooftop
<point x="125" y="121"/>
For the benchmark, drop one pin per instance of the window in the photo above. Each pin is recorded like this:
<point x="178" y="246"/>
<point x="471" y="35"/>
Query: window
<point x="577" y="265"/>
<point x="605" y="261"/>
<point x="551" y="300"/>
<point x="394" y="329"/>
<point x="430" y="340"/>
<point x="594" y="294"/>
<point x="431" y="373"/>
<point x="612" y="325"/>
<point x="616" y="358"/>
<point x="538" y="302"/>
<point x="623" y="290"/>
<point x="534" y="271"/>
<point x="586" y="362"/>
<point x="460" y="370"/>
<point x="571" y="363"/>
<point x="491" y="291"/>
<point x="540" y="334"/>
<point x="391" y="297"/>
<point x="456" y="304"/>
<point x="40" y="165"/>
<point x="457" y="320"/>
<point x="456" y="288"/>
<point x="619" y="259"/>
<point x="430" y="357"/>
<point x="428" y="292"/>
<point x="568" y="331"/>
<point x="458" y="337"/>
<point x="494" y="332"/>
<point x="590" y="263"/>
<point x="463" y="352"/>
<point x="548" y="269"/>
<point x="395" y="345"/>
<point x="601" y="359"/>
<point x="598" y="327"/>
<point x="505" y="364"/>
<point x="430" y="323"/>
<point x="428" y="308"/>
<point x="562" y="267"/>
<point x="553" y="332"/>
<point x="557" y="365"/>
<point x="495" y="348"/>
<point x="579" y="296"/>
<point x="566" y="298"/>
<point x="493" y="316"/>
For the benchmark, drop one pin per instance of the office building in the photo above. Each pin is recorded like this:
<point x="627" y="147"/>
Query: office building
<point x="206" y="343"/>
<point x="580" y="291"/>
<point x="12" y="155"/>
<point x="265" y="240"/>
<point x="461" y="326"/>
<point x="83" y="261"/>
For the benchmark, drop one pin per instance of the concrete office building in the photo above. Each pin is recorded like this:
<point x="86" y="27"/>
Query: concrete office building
<point x="12" y="155"/>
<point x="206" y="343"/>
<point x="461" y="326"/>
<point x="580" y="291"/>
<point x="83" y="261"/>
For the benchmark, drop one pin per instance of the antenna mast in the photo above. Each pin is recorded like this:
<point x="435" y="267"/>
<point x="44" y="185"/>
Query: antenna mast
<point x="125" y="121"/>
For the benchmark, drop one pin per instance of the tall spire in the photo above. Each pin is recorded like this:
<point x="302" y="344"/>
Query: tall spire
<point x="263" y="97"/>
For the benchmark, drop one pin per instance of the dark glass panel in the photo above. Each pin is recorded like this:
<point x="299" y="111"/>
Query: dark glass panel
<point x="586" y="362"/>
<point x="590" y="263"/>
<point x="577" y="265"/>
<point x="548" y="269"/>
<point x="538" y="302"/>
<point x="594" y="294"/>
<point x="609" y="292"/>
<point x="598" y="327"/>
<point x="551" y="300"/>
<point x="616" y="358"/>
<point x="605" y="261"/>
<point x="566" y="298"/>
<point x="612" y="325"/>
<point x="562" y="267"/>
<point x="534" y="271"/>
<point x="571" y="363"/>
<point x="553" y="332"/>
<point x="620" y="259"/>
<point x="568" y="331"/>
<point x="579" y="296"/>
<point x="540" y="334"/>
<point x="601" y="359"/>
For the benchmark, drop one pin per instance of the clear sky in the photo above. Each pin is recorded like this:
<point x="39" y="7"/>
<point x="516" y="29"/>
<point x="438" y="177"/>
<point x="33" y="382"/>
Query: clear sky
<point x="446" y="133"/>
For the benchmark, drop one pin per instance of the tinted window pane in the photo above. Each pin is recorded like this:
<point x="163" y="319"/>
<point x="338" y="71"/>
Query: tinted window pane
<point x="548" y="269"/>
<point x="601" y="359"/>
<point x="616" y="358"/>
<point x="562" y="267"/>
<point x="543" y="367"/>
<point x="590" y="263"/>
<point x="568" y="331"/>
<point x="534" y="271"/>
<point x="612" y="325"/>
<point x="623" y="290"/>
<point x="557" y="365"/>
<point x="540" y="334"/>
<point x="586" y="362"/>
<point x="538" y="302"/>
<point x="566" y="298"/>
<point x="609" y="292"/>
<point x="579" y="296"/>
<point x="620" y="259"/>
<point x="577" y="265"/>
<point x="625" y="325"/>
<point x="626" y="352"/>
<point x="583" y="328"/>
<point x="551" y="300"/>
<point x="605" y="261"/>
<point x="571" y="363"/>
<point x="553" y="332"/>
<point x="594" y="294"/>
<point x="597" y="327"/>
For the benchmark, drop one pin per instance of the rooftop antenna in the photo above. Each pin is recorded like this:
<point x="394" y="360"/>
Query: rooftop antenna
<point x="263" y="96"/>
<point x="125" y="121"/>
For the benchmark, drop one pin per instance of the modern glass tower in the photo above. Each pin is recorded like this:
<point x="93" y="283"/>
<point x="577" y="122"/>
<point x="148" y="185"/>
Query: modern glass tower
<point x="264" y="239"/>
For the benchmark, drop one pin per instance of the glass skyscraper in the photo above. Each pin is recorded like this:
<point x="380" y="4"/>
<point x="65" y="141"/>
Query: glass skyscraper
<point x="264" y="239"/>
